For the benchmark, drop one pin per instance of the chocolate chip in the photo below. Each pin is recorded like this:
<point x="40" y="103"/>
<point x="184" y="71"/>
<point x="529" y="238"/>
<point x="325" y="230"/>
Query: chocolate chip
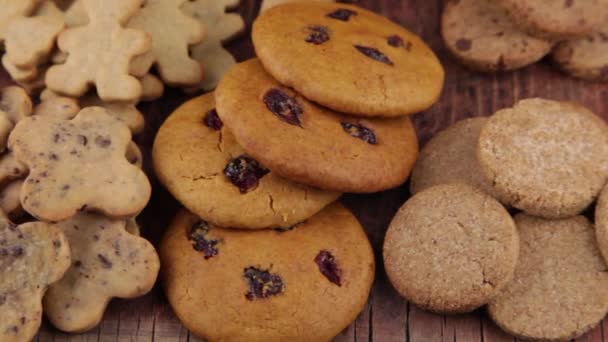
<point x="56" y="137"/>
<point x="2" y="299"/>
<point x="22" y="320"/>
<point x="18" y="251"/>
<point x="212" y="120"/>
<point x="105" y="262"/>
<point x="568" y="3"/>
<point x="343" y="14"/>
<point x="283" y="106"/>
<point x="374" y="54"/>
<point x="245" y="173"/>
<point x="328" y="267"/>
<point x="361" y="132"/>
<point x="77" y="263"/>
<point x="53" y="156"/>
<point x="82" y="140"/>
<point x="317" y="34"/>
<point x="197" y="234"/>
<point x="65" y="187"/>
<point x="56" y="243"/>
<point x="463" y="44"/>
<point x="103" y="141"/>
<point x="262" y="284"/>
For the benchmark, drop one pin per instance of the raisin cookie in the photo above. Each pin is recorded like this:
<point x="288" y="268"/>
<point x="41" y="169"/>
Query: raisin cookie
<point x="307" y="143"/>
<point x="560" y="289"/>
<point x="451" y="248"/>
<point x="545" y="157"/>
<point x="304" y="284"/>
<point x="482" y="36"/>
<point x="585" y="57"/>
<point x="245" y="193"/>
<point x="383" y="69"/>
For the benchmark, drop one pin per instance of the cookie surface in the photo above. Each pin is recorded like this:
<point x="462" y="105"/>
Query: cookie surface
<point x="305" y="284"/>
<point x="451" y="248"/>
<point x="601" y="222"/>
<point x="190" y="159"/>
<point x="586" y="57"/>
<point x="309" y="144"/>
<point x="560" y="289"/>
<point x="384" y="69"/>
<point x="482" y="36"/>
<point x="545" y="157"/>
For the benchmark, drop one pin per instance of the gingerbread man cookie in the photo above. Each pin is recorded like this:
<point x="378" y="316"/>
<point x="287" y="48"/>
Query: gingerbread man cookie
<point x="12" y="9"/>
<point x="15" y="105"/>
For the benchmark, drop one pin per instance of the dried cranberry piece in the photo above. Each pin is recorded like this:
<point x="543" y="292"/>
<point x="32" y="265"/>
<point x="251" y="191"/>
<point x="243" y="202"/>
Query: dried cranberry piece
<point x="343" y="14"/>
<point x="262" y="284"/>
<point x="212" y="120"/>
<point x="245" y="173"/>
<point x="317" y="34"/>
<point x="374" y="54"/>
<point x="284" y="106"/>
<point x="361" y="132"/>
<point x="397" y="41"/>
<point x="198" y="233"/>
<point x="328" y="267"/>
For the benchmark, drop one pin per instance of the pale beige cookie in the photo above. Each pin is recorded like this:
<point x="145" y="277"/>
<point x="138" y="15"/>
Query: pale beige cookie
<point x="107" y="262"/>
<point x="560" y="289"/>
<point x="78" y="165"/>
<point x="11" y="169"/>
<point x="12" y="10"/>
<point x="32" y="256"/>
<point x="221" y="26"/>
<point x="132" y="227"/>
<point x="266" y="4"/>
<point x="19" y="74"/>
<point x="601" y="222"/>
<point x="15" y="105"/>
<point x="125" y="112"/>
<point x="98" y="58"/>
<point x="172" y="32"/>
<point x="585" y="57"/>
<point x="60" y="106"/>
<point x="75" y="15"/>
<point x="152" y="88"/>
<point x="451" y="248"/>
<point x="10" y="199"/>
<point x="545" y="157"/>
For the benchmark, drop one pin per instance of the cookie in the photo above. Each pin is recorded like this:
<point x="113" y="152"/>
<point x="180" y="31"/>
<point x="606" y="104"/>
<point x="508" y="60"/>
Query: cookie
<point x="19" y="74"/>
<point x="107" y="262"/>
<point x="60" y="106"/>
<point x="601" y="222"/>
<point x="151" y="88"/>
<point x="268" y="285"/>
<point x="221" y="26"/>
<point x="267" y="4"/>
<point x="309" y="144"/>
<point x="586" y="57"/>
<point x="557" y="20"/>
<point x="547" y="158"/>
<point x="560" y="289"/>
<point x="245" y="193"/>
<point x="98" y="58"/>
<point x="384" y="69"/>
<point x="32" y="256"/>
<point x="12" y="10"/>
<point x="134" y="155"/>
<point x="10" y="199"/>
<point x="482" y="36"/>
<point x="451" y="248"/>
<point x="11" y="169"/>
<point x="125" y="112"/>
<point x="77" y="165"/>
<point x="172" y="32"/>
<point x="15" y="105"/>
<point x="451" y="157"/>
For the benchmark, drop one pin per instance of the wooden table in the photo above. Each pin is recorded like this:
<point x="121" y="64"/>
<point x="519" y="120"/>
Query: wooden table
<point x="386" y="317"/>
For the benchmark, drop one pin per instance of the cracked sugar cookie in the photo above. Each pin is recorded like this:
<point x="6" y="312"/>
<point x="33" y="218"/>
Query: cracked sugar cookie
<point x="245" y="193"/>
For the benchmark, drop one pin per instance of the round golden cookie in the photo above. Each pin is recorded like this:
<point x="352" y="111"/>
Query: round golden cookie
<point x="193" y="152"/>
<point x="347" y="58"/>
<point x="545" y="157"/>
<point x="451" y="157"/>
<point x="304" y="142"/>
<point x="560" y="289"/>
<point x="585" y="57"/>
<point x="601" y="222"/>
<point x="305" y="284"/>
<point x="451" y="248"/>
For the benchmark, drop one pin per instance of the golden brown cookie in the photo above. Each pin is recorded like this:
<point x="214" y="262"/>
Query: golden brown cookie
<point x="560" y="289"/>
<point x="545" y="157"/>
<point x="347" y="58"/>
<point x="585" y="57"/>
<point x="451" y="248"/>
<point x="301" y="285"/>
<point x="195" y="156"/>
<point x="307" y="143"/>
<point x="267" y="4"/>
<point x="601" y="222"/>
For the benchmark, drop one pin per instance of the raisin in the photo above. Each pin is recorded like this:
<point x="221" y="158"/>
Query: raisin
<point x="374" y="54"/>
<point x="212" y="120"/>
<point x="343" y="14"/>
<point x="398" y="42"/>
<point x="18" y="251"/>
<point x="105" y="262"/>
<point x="262" y="284"/>
<point x="197" y="234"/>
<point x="245" y="173"/>
<point x="361" y="132"/>
<point x="317" y="34"/>
<point x="284" y="106"/>
<point x="82" y="140"/>
<point x="328" y="267"/>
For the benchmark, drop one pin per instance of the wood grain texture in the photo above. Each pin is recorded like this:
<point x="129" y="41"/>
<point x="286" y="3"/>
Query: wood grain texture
<point x="386" y="317"/>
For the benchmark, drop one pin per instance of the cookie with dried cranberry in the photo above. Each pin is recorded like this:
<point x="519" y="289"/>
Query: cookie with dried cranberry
<point x="585" y="57"/>
<point x="482" y="36"/>
<point x="300" y="285"/>
<point x="310" y="144"/>
<point x="347" y="58"/>
<point x="199" y="161"/>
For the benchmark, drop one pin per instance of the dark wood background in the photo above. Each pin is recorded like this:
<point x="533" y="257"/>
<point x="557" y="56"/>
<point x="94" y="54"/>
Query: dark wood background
<point x="386" y="317"/>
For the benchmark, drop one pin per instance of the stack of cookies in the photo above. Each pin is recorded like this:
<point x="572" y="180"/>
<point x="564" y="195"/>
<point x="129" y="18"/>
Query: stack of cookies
<point x="454" y="247"/>
<point x="498" y="35"/>
<point x="259" y="164"/>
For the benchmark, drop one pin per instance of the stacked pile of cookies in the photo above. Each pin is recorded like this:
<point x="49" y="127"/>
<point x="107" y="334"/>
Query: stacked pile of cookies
<point x="453" y="247"/>
<point x="495" y="35"/>
<point x="259" y="163"/>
